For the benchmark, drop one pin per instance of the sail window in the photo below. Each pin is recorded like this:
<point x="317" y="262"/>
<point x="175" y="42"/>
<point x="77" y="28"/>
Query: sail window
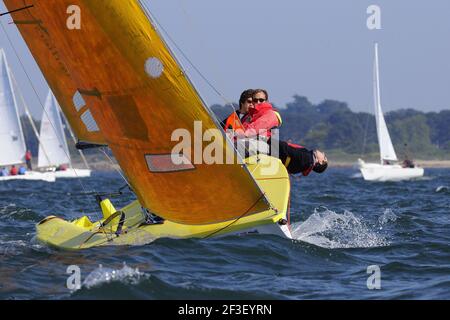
<point x="89" y="121"/>
<point x="154" y="67"/>
<point x="128" y="116"/>
<point x="165" y="163"/>
<point x="78" y="100"/>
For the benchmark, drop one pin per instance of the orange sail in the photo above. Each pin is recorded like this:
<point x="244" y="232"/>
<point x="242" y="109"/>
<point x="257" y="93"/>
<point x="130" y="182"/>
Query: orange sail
<point x="54" y="69"/>
<point x="135" y="95"/>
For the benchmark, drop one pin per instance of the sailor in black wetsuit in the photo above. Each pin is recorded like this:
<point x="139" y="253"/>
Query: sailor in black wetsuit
<point x="298" y="159"/>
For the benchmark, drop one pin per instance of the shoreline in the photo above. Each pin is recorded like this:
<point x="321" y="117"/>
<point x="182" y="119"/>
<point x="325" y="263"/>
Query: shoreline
<point x="421" y="163"/>
<point x="107" y="166"/>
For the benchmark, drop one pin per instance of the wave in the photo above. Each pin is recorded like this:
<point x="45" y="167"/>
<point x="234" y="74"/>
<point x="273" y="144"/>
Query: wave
<point x="328" y="229"/>
<point x="20" y="247"/>
<point x="387" y="216"/>
<point x="442" y="189"/>
<point x="12" y="247"/>
<point x="357" y="175"/>
<point x="13" y="212"/>
<point x="103" y="275"/>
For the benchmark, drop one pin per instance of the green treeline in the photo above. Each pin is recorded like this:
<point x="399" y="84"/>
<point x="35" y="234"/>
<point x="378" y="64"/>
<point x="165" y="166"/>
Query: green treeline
<point x="333" y="127"/>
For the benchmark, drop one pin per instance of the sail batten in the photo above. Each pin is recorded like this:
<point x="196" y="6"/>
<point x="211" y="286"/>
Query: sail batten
<point x="143" y="97"/>
<point x="387" y="151"/>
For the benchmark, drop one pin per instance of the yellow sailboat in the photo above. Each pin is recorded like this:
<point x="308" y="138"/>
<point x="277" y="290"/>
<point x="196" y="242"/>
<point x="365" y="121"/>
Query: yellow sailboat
<point x="119" y="85"/>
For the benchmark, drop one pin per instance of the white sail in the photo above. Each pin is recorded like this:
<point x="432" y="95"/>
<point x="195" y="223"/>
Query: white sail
<point x="52" y="136"/>
<point x="387" y="151"/>
<point x="12" y="142"/>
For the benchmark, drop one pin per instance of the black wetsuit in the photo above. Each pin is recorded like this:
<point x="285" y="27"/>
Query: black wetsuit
<point x="297" y="159"/>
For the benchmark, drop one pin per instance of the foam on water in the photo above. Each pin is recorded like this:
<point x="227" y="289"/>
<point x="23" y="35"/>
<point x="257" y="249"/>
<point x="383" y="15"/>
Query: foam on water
<point x="12" y="247"/>
<point x="13" y="212"/>
<point x="328" y="229"/>
<point x="103" y="275"/>
<point x="18" y="247"/>
<point x="442" y="189"/>
<point x="387" y="217"/>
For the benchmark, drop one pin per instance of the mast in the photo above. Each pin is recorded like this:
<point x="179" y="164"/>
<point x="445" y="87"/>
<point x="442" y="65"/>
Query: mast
<point x="29" y="117"/>
<point x="75" y="140"/>
<point x="387" y="151"/>
<point x="52" y="135"/>
<point x="12" y="141"/>
<point x="152" y="20"/>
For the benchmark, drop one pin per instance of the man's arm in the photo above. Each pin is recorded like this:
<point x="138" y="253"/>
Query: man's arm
<point x="261" y="125"/>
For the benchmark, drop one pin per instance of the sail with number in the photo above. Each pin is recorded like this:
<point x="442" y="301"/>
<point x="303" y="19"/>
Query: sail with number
<point x="128" y="90"/>
<point x="387" y="151"/>
<point x="12" y="142"/>
<point x="52" y="136"/>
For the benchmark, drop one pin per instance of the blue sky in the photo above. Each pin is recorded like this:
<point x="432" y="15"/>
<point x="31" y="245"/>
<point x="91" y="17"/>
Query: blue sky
<point x="321" y="49"/>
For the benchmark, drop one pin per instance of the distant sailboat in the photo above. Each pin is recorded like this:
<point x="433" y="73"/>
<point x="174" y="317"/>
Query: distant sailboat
<point x="388" y="169"/>
<point x="12" y="141"/>
<point x="53" y="149"/>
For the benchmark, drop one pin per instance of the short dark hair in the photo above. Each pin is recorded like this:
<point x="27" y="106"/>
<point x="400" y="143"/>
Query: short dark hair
<point x="245" y="95"/>
<point x="319" y="168"/>
<point x="261" y="90"/>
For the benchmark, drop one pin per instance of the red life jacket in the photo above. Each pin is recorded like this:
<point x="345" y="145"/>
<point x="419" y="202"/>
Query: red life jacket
<point x="28" y="155"/>
<point x="233" y="122"/>
<point x="260" y="120"/>
<point x="13" y="171"/>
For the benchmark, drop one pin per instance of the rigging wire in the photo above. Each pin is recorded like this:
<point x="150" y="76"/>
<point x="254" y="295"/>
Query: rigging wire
<point x="227" y="101"/>
<point x="365" y="135"/>
<point x="72" y="135"/>
<point x="37" y="95"/>
<point x="41" y="104"/>
<point x="209" y="83"/>
<point x="237" y="219"/>
<point x="27" y="113"/>
<point x="152" y="18"/>
<point x="187" y="59"/>
<point x="213" y="65"/>
<point x="103" y="150"/>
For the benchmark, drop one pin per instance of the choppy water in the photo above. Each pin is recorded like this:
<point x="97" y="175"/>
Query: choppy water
<point x="342" y="225"/>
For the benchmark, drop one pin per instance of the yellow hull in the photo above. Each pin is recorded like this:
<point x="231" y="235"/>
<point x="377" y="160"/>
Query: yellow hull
<point x="82" y="233"/>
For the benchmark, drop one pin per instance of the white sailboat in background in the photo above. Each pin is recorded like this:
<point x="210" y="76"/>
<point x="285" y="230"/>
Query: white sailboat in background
<point x="388" y="169"/>
<point x="53" y="150"/>
<point x="12" y="141"/>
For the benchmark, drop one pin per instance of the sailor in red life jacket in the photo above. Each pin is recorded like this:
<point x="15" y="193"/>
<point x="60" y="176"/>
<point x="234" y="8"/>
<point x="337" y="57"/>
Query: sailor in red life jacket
<point x="233" y="121"/>
<point x="252" y="135"/>
<point x="13" y="171"/>
<point x="255" y="115"/>
<point x="28" y="157"/>
<point x="260" y="119"/>
<point x="259" y="122"/>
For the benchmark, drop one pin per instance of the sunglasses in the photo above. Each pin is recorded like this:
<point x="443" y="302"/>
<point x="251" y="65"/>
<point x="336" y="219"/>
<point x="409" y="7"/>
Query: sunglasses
<point x="260" y="100"/>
